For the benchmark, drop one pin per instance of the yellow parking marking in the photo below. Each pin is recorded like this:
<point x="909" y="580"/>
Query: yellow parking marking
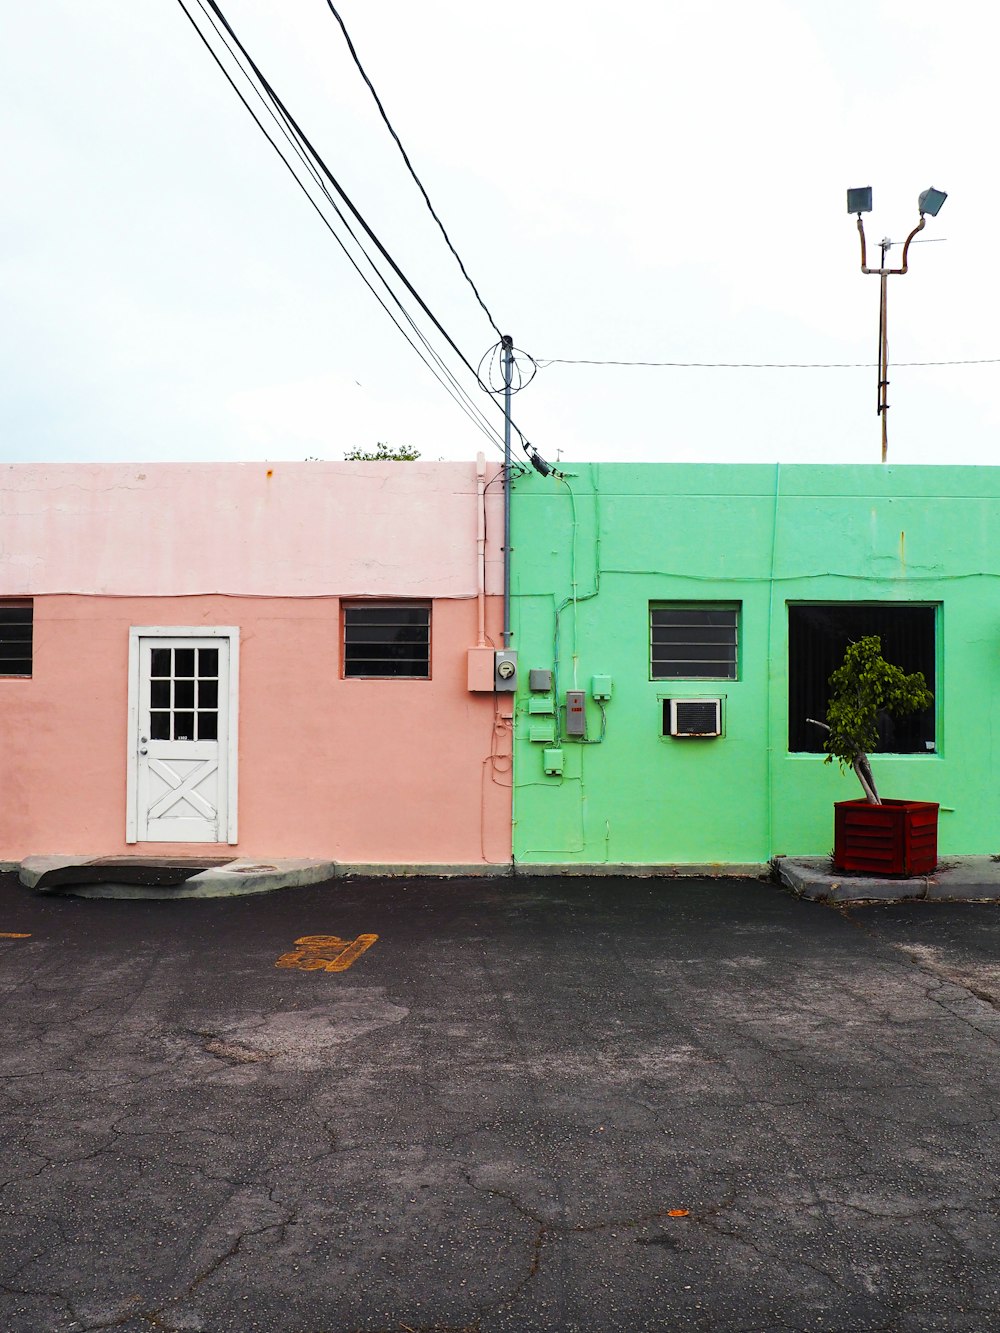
<point x="326" y="953"/>
<point x="13" y="935"/>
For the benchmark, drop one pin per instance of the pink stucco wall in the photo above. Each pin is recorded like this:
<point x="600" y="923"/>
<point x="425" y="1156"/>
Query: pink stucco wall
<point x="389" y="771"/>
<point x="263" y="529"/>
<point x="351" y="770"/>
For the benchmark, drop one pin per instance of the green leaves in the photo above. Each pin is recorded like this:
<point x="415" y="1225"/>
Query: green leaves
<point x="862" y="687"/>
<point x="383" y="453"/>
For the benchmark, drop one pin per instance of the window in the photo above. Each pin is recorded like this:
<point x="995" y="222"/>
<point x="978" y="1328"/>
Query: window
<point x="817" y="637"/>
<point x="387" y="640"/>
<point x="693" y="640"/>
<point x="184" y="694"/>
<point x="15" y="637"/>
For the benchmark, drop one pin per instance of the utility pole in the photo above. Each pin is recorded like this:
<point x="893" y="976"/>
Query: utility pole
<point x="883" y="344"/>
<point x="507" y="343"/>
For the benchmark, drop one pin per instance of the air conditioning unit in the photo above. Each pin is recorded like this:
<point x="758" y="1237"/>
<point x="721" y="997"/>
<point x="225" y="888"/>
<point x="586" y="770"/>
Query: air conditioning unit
<point x="695" y="717"/>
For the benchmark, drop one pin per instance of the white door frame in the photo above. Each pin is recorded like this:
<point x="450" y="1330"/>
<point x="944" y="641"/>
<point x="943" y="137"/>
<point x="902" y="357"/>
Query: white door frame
<point x="137" y="632"/>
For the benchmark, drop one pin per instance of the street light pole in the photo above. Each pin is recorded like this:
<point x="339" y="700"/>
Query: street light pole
<point x="860" y="201"/>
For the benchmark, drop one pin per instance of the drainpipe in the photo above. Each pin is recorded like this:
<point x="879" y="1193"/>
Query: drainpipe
<point x="481" y="546"/>
<point x="507" y="343"/>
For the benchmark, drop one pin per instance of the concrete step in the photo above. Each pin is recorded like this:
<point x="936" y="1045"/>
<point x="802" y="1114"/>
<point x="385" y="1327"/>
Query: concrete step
<point x="168" y="876"/>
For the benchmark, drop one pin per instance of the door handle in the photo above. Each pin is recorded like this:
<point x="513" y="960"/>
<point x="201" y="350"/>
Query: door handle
<point x="142" y="744"/>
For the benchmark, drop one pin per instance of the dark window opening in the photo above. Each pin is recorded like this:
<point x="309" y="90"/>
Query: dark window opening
<point x="16" y="634"/>
<point x="389" y="641"/>
<point x="695" y="641"/>
<point x="817" y="638"/>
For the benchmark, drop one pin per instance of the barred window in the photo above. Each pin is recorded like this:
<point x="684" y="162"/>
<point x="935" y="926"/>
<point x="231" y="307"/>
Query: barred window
<point x="15" y="637"/>
<point x="818" y="635"/>
<point x="387" y="640"/>
<point x="693" y="640"/>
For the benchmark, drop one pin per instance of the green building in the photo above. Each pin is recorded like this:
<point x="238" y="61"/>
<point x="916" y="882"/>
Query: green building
<point x="700" y="610"/>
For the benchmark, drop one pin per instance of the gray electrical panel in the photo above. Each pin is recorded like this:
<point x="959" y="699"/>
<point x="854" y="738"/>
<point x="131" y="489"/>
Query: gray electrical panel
<point x="576" y="716"/>
<point x="540" y="680"/>
<point x="505" y="671"/>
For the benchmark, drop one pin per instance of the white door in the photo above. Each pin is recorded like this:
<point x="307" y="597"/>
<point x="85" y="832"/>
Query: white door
<point x="182" y="740"/>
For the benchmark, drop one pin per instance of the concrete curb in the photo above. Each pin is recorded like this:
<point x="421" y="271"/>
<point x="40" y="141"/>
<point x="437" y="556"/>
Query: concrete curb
<point x="635" y="870"/>
<point x="957" y="879"/>
<point x="392" y="870"/>
<point x="244" y="876"/>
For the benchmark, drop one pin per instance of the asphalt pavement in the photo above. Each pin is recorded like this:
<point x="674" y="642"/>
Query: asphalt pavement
<point x="432" y="1106"/>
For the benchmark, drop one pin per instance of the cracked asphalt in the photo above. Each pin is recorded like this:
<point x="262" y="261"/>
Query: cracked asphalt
<point x="538" y="1104"/>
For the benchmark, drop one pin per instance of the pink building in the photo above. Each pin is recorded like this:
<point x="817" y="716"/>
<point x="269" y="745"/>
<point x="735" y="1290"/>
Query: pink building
<point x="271" y="657"/>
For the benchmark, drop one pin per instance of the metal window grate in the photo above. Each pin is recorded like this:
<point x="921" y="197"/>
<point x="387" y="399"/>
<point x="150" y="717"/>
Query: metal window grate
<point x="16" y="638"/>
<point x="387" y="641"/>
<point x="693" y="641"/>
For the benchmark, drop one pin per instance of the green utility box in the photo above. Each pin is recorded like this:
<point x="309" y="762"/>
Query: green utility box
<point x="552" y="761"/>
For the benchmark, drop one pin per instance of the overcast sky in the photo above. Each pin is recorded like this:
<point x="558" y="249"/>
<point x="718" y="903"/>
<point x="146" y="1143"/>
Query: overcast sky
<point x="654" y="181"/>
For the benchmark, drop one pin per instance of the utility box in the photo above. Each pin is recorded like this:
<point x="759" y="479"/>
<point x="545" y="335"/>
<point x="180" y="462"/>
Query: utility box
<point x="600" y="688"/>
<point x="540" y="680"/>
<point x="505" y="672"/>
<point x="576" y="716"/>
<point x="482" y="666"/>
<point x="552" y="761"/>
<point x="542" y="731"/>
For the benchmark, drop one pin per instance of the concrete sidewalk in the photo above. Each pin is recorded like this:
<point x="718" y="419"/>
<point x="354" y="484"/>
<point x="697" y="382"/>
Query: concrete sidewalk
<point x="956" y="879"/>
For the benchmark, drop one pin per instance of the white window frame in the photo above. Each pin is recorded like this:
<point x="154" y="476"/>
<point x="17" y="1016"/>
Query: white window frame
<point x="137" y="632"/>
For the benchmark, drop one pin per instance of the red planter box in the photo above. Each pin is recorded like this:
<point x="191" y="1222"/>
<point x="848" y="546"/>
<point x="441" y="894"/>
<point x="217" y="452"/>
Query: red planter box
<point x="894" y="838"/>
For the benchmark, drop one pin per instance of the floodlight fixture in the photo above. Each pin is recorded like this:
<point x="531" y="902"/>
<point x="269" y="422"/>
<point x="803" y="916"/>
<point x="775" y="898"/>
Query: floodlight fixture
<point x="860" y="201"/>
<point x="930" y="201"/>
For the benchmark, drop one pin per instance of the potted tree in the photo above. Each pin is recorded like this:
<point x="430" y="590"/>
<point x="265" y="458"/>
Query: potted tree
<point x="872" y="835"/>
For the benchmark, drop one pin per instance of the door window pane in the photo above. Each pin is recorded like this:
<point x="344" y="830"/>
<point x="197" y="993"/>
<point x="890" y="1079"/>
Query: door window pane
<point x="159" y="693"/>
<point x="183" y="727"/>
<point x="159" y="662"/>
<point x="183" y="662"/>
<point x="208" y="694"/>
<point x="159" y="726"/>
<point x="183" y="693"/>
<point x="208" y="726"/>
<point x="208" y="662"/>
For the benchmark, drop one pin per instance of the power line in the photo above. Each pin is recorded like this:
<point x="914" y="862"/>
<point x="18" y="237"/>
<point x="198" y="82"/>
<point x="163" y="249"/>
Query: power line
<point x="542" y="362"/>
<point x="468" y="406"/>
<point x="409" y="164"/>
<point x="290" y="120"/>
<point x="313" y="162"/>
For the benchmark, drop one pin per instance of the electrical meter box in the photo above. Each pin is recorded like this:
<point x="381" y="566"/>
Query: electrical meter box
<point x="576" y="716"/>
<point x="505" y="671"/>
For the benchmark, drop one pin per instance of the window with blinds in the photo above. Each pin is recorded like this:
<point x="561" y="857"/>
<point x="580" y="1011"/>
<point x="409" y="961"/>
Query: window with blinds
<point x="818" y="634"/>
<point x="387" y="640"/>
<point x="16" y="631"/>
<point x="693" y="640"/>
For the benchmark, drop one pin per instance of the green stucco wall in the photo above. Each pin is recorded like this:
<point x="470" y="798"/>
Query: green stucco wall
<point x="764" y="536"/>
